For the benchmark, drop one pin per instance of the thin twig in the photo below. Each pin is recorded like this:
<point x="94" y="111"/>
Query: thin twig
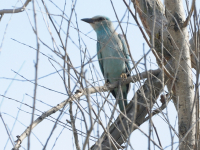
<point x="6" y="129"/>
<point x="36" y="70"/>
<point x="77" y="95"/>
<point x="74" y="127"/>
<point x="153" y="50"/>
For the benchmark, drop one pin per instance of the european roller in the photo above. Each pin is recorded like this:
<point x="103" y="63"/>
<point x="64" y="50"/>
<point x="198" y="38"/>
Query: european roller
<point x="112" y="54"/>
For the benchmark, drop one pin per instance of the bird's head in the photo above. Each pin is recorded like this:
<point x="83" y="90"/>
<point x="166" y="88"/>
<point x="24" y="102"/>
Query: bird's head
<point x="99" y="22"/>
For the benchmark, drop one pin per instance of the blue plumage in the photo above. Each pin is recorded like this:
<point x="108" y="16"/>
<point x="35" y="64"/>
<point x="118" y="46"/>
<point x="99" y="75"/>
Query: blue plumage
<point x="112" y="54"/>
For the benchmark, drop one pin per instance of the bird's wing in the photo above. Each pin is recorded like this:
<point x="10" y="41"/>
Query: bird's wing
<point x="99" y="55"/>
<point x="125" y="51"/>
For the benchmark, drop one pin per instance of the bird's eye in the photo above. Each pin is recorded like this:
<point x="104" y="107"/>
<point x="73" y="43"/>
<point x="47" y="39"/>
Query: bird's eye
<point x="101" y="19"/>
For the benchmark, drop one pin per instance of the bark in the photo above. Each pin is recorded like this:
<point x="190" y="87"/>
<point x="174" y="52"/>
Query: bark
<point x="136" y="111"/>
<point x="176" y="47"/>
<point x="162" y="38"/>
<point x="145" y="10"/>
<point x="182" y="63"/>
<point x="148" y="15"/>
<point x="171" y="42"/>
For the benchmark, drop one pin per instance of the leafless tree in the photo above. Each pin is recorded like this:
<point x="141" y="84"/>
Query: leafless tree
<point x="166" y="31"/>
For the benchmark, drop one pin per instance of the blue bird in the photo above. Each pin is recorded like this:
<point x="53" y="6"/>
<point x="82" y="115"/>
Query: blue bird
<point x="112" y="54"/>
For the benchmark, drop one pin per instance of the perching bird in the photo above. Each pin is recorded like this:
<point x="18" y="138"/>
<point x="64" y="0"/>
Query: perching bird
<point x="112" y="54"/>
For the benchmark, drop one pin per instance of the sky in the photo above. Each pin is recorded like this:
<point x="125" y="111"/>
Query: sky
<point x="17" y="61"/>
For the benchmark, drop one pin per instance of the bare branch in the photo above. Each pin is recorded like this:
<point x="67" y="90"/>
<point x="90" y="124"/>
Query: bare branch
<point x="6" y="129"/>
<point x="17" y="10"/>
<point x="76" y="96"/>
<point x="158" y="110"/>
<point x="144" y="35"/>
<point x="185" y="24"/>
<point x="36" y="70"/>
<point x="116" y="130"/>
<point x="74" y="127"/>
<point x="194" y="53"/>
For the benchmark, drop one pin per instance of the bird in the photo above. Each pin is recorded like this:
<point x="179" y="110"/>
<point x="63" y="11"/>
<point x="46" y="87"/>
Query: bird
<point x="113" y="55"/>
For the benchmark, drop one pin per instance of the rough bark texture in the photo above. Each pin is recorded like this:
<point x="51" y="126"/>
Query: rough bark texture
<point x="175" y="44"/>
<point x="146" y="12"/>
<point x="172" y="42"/>
<point x="182" y="63"/>
<point x="162" y="38"/>
<point x="121" y="129"/>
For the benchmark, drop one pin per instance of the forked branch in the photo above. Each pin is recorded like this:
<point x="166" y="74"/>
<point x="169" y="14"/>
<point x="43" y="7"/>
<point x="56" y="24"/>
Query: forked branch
<point x="16" y="10"/>
<point x="76" y="96"/>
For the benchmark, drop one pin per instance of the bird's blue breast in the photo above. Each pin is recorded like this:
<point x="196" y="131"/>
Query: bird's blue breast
<point x="112" y="56"/>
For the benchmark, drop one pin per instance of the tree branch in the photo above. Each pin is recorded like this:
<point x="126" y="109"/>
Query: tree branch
<point x="76" y="96"/>
<point x="194" y="52"/>
<point x="185" y="24"/>
<point x="149" y="44"/>
<point x="181" y="62"/>
<point x="74" y="127"/>
<point x="17" y="10"/>
<point x="135" y="110"/>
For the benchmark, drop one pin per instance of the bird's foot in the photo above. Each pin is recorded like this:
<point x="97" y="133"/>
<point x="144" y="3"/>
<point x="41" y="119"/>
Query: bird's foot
<point x="106" y="83"/>
<point x="123" y="76"/>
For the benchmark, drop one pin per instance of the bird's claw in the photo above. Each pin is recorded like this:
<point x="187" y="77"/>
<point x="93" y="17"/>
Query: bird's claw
<point x="123" y="76"/>
<point x="107" y="83"/>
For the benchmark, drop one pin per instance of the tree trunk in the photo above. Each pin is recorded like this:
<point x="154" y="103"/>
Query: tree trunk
<point x="172" y="42"/>
<point x="183" y="75"/>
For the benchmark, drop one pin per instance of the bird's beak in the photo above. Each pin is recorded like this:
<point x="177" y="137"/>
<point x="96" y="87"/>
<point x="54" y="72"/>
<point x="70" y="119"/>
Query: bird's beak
<point x="88" y="20"/>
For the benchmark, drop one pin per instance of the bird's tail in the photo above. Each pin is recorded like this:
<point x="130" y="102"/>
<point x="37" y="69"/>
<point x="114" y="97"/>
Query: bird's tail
<point x="121" y="102"/>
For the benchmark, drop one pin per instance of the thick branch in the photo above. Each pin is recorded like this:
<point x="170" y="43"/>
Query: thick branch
<point x="136" y="111"/>
<point x="181" y="62"/>
<point x="171" y="41"/>
<point x="145" y="11"/>
<point x="76" y="96"/>
<point x="148" y="42"/>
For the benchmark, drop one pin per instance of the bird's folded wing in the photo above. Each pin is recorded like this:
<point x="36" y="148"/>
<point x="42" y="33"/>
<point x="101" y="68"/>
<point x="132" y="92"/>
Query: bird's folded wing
<point x="125" y="51"/>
